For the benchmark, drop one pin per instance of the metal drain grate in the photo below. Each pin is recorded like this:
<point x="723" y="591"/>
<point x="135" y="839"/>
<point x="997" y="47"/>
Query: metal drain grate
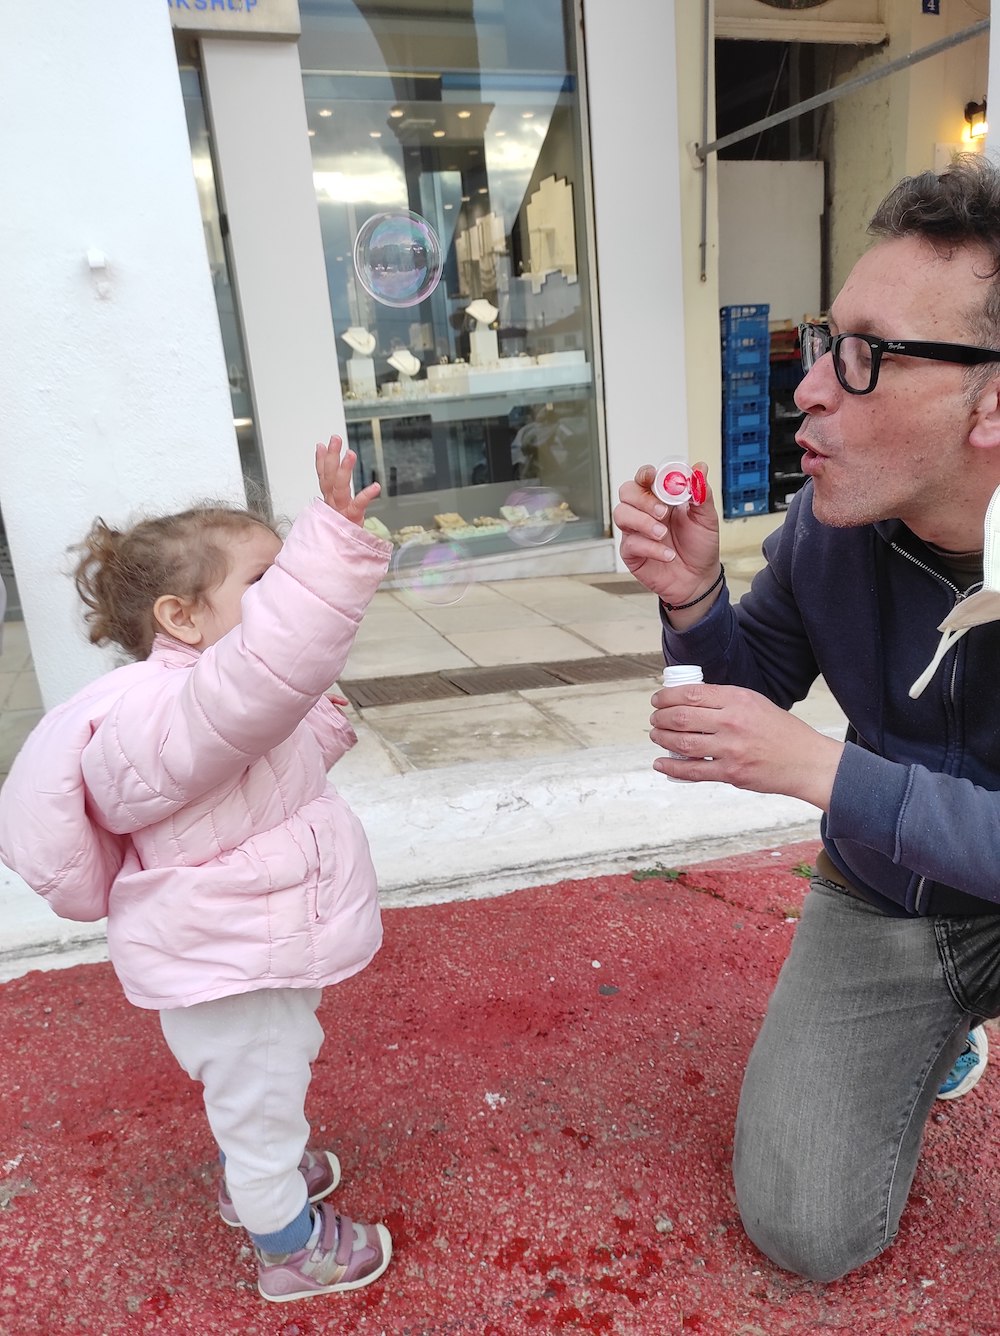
<point x="371" y="691"/>
<point x="614" y="668"/>
<point x="653" y="663"/>
<point x="508" y="677"/>
<point x="454" y="682"/>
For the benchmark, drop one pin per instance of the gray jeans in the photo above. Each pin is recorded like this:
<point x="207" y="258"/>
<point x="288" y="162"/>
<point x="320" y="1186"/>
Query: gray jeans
<point x="868" y="1015"/>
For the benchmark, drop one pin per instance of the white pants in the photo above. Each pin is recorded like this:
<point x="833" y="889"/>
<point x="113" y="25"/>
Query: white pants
<point x="252" y="1052"/>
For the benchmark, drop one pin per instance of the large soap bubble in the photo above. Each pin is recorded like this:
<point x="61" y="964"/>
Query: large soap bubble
<point x="436" y="572"/>
<point x="535" y="515"/>
<point x="397" y="257"/>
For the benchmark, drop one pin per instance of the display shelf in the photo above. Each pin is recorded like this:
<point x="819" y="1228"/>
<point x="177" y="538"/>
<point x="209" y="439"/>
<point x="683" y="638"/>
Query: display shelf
<point x="492" y="400"/>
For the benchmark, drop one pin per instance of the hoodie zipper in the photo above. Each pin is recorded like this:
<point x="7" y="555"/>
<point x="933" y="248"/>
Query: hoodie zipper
<point x="960" y="597"/>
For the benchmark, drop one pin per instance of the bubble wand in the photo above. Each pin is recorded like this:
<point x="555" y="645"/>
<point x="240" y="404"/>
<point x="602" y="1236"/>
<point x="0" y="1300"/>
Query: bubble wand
<point x="677" y="484"/>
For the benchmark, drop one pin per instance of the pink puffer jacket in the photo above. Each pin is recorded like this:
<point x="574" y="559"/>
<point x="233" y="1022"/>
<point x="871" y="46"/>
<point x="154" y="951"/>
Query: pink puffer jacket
<point x="186" y="796"/>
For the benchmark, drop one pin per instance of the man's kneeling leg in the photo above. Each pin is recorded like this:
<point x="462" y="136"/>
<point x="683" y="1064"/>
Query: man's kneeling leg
<point x="859" y="1034"/>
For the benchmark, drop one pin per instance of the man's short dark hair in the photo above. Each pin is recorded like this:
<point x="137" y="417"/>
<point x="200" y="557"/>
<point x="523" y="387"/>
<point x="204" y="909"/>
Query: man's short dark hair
<point x="959" y="207"/>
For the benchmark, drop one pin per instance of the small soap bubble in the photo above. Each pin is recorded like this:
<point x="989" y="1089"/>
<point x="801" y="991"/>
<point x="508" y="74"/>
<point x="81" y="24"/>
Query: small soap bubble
<point x="534" y="515"/>
<point x="397" y="258"/>
<point x="436" y="572"/>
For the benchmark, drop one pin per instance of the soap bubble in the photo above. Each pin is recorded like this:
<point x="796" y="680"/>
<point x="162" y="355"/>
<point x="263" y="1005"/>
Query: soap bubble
<point x="437" y="572"/>
<point x="534" y="515"/>
<point x="397" y="257"/>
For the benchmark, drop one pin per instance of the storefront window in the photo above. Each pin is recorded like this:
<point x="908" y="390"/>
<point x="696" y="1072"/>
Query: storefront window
<point x="474" y="406"/>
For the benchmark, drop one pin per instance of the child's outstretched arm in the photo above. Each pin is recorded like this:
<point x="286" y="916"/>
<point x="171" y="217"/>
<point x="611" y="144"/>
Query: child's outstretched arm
<point x="334" y="473"/>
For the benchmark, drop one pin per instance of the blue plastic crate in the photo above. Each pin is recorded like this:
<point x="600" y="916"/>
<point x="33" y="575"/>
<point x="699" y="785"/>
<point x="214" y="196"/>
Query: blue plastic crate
<point x="751" y="443"/>
<point x="748" y="384"/>
<point x="733" y="318"/>
<point x="746" y="340"/>
<point x="745" y="501"/>
<point x="738" y="473"/>
<point x="745" y="415"/>
<point x="743" y="474"/>
<point x="746" y="333"/>
<point x="752" y="355"/>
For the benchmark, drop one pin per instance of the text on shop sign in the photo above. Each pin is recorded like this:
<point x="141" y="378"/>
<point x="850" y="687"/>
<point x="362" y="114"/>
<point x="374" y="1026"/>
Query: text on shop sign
<point x="233" y="6"/>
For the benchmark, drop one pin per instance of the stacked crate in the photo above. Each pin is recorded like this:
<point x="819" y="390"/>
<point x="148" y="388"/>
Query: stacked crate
<point x="786" y="417"/>
<point x="746" y="352"/>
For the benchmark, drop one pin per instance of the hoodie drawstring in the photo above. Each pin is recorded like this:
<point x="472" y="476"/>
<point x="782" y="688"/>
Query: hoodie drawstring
<point x="948" y="638"/>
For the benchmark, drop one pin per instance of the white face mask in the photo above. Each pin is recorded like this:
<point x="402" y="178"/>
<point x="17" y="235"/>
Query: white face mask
<point x="979" y="608"/>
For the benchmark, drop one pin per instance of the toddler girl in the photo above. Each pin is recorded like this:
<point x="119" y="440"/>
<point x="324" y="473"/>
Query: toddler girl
<point x="184" y="796"/>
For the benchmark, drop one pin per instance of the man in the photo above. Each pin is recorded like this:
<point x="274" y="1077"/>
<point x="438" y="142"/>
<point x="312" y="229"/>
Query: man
<point x="897" y="952"/>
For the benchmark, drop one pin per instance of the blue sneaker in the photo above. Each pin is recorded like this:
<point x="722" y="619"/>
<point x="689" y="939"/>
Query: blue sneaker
<point x="969" y="1066"/>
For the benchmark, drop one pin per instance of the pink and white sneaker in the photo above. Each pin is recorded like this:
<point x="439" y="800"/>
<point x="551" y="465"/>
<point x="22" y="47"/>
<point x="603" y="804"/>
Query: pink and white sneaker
<point x="320" y="1169"/>
<point x="340" y="1256"/>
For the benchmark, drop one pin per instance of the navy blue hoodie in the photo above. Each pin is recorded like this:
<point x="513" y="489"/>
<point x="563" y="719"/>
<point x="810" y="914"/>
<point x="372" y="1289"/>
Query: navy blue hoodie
<point x="914" y="819"/>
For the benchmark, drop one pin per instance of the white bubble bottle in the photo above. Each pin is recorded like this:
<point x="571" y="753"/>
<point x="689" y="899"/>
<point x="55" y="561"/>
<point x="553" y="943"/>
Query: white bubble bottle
<point x="681" y="675"/>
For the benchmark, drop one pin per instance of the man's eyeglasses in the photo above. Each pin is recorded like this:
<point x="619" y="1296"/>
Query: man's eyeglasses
<point x="857" y="357"/>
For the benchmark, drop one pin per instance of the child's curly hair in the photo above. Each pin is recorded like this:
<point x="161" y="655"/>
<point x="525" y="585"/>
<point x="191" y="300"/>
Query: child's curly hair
<point x="121" y="573"/>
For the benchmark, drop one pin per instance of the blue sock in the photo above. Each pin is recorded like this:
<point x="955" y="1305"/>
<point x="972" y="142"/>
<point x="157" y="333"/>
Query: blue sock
<point x="294" y="1236"/>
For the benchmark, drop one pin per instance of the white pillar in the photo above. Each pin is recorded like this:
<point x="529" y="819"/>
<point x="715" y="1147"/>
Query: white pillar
<point x="632" y="86"/>
<point x="112" y="378"/>
<point x="258" y="118"/>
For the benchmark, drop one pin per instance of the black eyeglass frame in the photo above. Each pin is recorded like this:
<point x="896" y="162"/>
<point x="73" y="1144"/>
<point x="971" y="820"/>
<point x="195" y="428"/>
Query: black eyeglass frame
<point x="966" y="354"/>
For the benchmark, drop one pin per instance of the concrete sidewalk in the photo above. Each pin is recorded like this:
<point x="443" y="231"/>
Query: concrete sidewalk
<point x="536" y="1093"/>
<point x="478" y="792"/>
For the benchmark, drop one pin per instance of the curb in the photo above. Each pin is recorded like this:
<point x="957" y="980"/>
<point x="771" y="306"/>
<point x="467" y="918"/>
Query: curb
<point x="474" y="832"/>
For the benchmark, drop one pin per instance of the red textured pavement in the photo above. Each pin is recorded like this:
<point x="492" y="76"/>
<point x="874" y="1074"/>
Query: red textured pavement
<point x="536" y="1093"/>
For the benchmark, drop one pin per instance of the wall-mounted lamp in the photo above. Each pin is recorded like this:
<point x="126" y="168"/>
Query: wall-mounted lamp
<point x="975" y="119"/>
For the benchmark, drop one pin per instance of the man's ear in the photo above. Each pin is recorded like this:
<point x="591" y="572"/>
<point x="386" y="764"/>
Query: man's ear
<point x="985" y="433"/>
<point x="175" y="615"/>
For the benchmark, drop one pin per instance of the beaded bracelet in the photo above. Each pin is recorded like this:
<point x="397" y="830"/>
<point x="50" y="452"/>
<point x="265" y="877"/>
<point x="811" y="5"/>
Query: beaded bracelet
<point x="678" y="607"/>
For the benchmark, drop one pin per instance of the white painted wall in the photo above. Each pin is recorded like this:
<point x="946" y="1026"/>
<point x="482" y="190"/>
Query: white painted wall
<point x="940" y="87"/>
<point x="258" y="117"/>
<point x="891" y="128"/>
<point x="769" y="236"/>
<point x="113" y="381"/>
<point x="631" y="80"/>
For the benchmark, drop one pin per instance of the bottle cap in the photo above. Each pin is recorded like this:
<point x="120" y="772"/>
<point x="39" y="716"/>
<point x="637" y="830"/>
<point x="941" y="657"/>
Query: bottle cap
<point x="681" y="674"/>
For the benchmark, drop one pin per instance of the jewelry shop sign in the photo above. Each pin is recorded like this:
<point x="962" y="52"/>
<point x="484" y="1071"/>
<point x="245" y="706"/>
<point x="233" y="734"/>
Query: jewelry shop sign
<point x="236" y="18"/>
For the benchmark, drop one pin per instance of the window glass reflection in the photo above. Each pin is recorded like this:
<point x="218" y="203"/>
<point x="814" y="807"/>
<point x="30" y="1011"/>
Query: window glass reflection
<point x="468" y="116"/>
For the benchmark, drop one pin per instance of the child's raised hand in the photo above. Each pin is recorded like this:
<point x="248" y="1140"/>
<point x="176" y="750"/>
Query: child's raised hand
<point x="334" y="474"/>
